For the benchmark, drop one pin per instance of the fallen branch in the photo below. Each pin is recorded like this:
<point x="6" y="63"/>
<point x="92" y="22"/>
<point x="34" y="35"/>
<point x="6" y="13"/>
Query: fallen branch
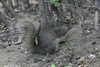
<point x="10" y="34"/>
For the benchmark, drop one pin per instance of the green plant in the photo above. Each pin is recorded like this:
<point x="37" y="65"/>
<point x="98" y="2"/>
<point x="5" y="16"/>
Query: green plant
<point x="70" y="51"/>
<point x="65" y="66"/>
<point x="53" y="65"/>
<point x="67" y="41"/>
<point x="55" y="2"/>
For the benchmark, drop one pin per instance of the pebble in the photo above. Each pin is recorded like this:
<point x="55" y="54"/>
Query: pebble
<point x="9" y="59"/>
<point x="22" y="50"/>
<point x="92" y="56"/>
<point x="88" y="31"/>
<point x="4" y="45"/>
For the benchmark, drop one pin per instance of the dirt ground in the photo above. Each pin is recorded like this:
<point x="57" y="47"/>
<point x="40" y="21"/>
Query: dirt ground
<point x="81" y="50"/>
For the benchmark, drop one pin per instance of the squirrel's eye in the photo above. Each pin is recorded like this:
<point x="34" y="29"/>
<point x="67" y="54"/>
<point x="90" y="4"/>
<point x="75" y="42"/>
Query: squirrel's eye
<point x="66" y="20"/>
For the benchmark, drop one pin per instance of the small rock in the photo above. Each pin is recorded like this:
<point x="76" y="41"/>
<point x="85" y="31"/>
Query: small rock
<point x="97" y="49"/>
<point x="4" y="45"/>
<point x="22" y="50"/>
<point x="91" y="56"/>
<point x="10" y="43"/>
<point x="9" y="59"/>
<point x="88" y="32"/>
<point x="25" y="52"/>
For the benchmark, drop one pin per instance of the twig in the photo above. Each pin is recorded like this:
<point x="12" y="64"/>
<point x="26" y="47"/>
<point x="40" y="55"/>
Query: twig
<point x="10" y="34"/>
<point x="96" y="16"/>
<point x="63" y="56"/>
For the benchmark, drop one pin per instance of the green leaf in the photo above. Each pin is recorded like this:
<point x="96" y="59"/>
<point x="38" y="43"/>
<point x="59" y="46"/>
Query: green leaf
<point x="52" y="1"/>
<point x="56" y="4"/>
<point x="68" y="40"/>
<point x="66" y="66"/>
<point x="53" y="65"/>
